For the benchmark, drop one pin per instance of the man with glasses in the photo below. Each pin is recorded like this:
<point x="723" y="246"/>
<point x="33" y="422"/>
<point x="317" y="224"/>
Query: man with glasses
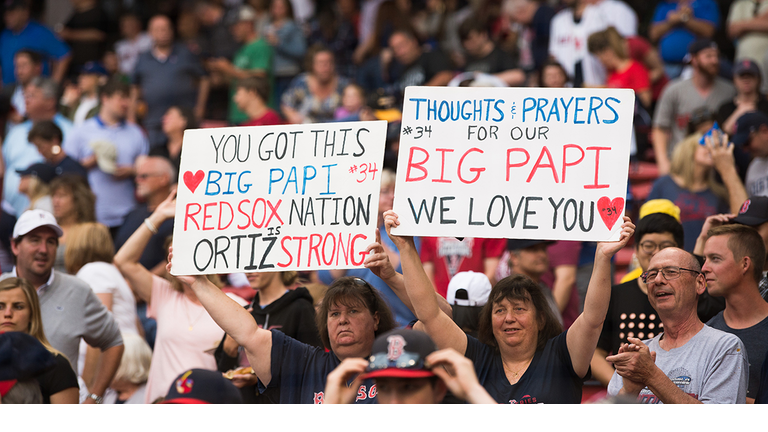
<point x="689" y="362"/>
<point x="630" y="313"/>
<point x="735" y="255"/>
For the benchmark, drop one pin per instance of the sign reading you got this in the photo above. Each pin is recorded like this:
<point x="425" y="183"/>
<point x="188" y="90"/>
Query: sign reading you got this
<point x="528" y="163"/>
<point x="277" y="198"/>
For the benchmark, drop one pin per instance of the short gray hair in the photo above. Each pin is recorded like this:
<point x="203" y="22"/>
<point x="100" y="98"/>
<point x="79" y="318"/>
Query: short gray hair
<point x="137" y="356"/>
<point x="48" y="86"/>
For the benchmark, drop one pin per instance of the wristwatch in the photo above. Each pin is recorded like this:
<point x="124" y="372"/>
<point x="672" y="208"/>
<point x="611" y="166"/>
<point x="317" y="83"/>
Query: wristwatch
<point x="96" y="399"/>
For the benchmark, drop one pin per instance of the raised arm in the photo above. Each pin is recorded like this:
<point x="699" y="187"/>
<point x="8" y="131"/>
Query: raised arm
<point x="377" y="260"/>
<point x="721" y="150"/>
<point x="583" y="335"/>
<point x="235" y="321"/>
<point x="127" y="258"/>
<point x="437" y="324"/>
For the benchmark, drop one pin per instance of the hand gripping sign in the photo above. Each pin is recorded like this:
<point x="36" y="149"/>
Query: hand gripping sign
<point x="277" y="198"/>
<point x="532" y="163"/>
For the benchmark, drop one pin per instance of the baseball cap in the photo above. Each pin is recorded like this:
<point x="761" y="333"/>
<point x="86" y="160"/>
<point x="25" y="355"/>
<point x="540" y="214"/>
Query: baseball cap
<point x="44" y="172"/>
<point x="33" y="219"/>
<point x="753" y="212"/>
<point x="699" y="45"/>
<point x="201" y="386"/>
<point x="468" y="289"/>
<point x="23" y="357"/>
<point x="400" y="353"/>
<point x="746" y="124"/>
<point x="746" y="66"/>
<point x="93" y="68"/>
<point x="660" y="205"/>
<point x="518" y="244"/>
<point x="246" y="13"/>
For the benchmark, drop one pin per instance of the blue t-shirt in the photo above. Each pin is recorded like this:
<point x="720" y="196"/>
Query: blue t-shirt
<point x="550" y="378"/>
<point x="695" y="207"/>
<point x="34" y="37"/>
<point x="402" y="314"/>
<point x="300" y="371"/>
<point x="673" y="45"/>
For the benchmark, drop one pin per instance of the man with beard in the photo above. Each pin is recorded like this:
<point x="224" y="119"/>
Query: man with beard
<point x="682" y="96"/>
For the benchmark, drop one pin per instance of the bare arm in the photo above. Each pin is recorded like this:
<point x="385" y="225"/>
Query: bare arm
<point x="60" y="68"/>
<point x="133" y="107"/>
<point x="565" y="277"/>
<point x="438" y="325"/>
<point x="127" y="258"/>
<point x="660" y="139"/>
<point x="582" y="337"/>
<point x="92" y="354"/>
<point x="379" y="263"/>
<point x="109" y="361"/>
<point x="722" y="154"/>
<point x="235" y="321"/>
<point x="204" y="88"/>
<point x="440" y="79"/>
<point x="602" y="370"/>
<point x="67" y="396"/>
<point x="489" y="268"/>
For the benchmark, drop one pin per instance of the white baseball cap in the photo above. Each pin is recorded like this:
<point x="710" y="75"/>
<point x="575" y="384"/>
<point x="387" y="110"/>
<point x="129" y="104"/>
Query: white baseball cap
<point x="33" y="219"/>
<point x="476" y="285"/>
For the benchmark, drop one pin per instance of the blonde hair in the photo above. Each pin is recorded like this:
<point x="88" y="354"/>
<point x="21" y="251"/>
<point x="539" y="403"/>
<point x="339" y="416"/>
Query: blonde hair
<point x="608" y="39"/>
<point x="682" y="165"/>
<point x="37" y="189"/>
<point x="86" y="243"/>
<point x="35" y="326"/>
<point x="137" y="356"/>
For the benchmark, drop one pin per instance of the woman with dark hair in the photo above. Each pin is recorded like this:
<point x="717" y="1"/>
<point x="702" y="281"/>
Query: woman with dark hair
<point x="73" y="203"/>
<point x="351" y="315"/>
<point x="20" y="311"/>
<point x="175" y="121"/>
<point x="522" y="355"/>
<point x="553" y="74"/>
<point x="278" y="304"/>
<point x="314" y="96"/>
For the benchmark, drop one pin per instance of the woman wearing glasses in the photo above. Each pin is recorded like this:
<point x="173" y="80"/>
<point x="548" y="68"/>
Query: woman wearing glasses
<point x="351" y="315"/>
<point x="522" y="354"/>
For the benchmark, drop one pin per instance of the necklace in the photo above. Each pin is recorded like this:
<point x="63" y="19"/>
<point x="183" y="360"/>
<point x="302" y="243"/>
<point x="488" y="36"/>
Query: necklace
<point x="515" y="374"/>
<point x="189" y="320"/>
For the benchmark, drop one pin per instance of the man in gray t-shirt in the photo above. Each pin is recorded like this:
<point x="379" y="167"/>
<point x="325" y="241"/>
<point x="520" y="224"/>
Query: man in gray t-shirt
<point x="682" y="96"/>
<point x="690" y="362"/>
<point x="735" y="255"/>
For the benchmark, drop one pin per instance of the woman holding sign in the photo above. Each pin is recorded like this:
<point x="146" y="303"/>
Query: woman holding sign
<point x="522" y="355"/>
<point x="351" y="315"/>
<point x="186" y="334"/>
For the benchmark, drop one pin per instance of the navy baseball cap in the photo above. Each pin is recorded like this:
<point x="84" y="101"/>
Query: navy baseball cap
<point x="44" y="172"/>
<point x="746" y="124"/>
<point x="746" y="66"/>
<point x="753" y="212"/>
<point x="201" y="386"/>
<point x="22" y="357"/>
<point x="519" y="244"/>
<point x="400" y="353"/>
<point x="700" y="45"/>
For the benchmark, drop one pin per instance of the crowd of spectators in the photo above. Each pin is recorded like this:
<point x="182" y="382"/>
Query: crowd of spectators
<point x="95" y="99"/>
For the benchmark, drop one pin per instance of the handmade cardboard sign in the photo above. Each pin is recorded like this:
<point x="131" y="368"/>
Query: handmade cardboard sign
<point x="277" y="198"/>
<point x="529" y="163"/>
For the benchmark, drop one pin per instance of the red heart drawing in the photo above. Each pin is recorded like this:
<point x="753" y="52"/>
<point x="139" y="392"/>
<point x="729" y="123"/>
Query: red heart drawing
<point x="609" y="210"/>
<point x="193" y="180"/>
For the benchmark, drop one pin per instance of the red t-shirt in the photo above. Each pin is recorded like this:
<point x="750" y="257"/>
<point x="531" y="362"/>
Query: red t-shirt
<point x="451" y="256"/>
<point x="638" y="48"/>
<point x="634" y="77"/>
<point x="270" y="118"/>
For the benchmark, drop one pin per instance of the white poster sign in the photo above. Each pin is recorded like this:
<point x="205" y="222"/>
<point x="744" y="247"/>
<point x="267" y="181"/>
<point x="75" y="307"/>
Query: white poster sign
<point x="528" y="163"/>
<point x="277" y="198"/>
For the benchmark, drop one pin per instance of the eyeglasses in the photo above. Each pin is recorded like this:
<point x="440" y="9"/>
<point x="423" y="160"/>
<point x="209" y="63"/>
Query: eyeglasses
<point x="363" y="283"/>
<point x="669" y="273"/>
<point x="649" y="247"/>
<point x="406" y="360"/>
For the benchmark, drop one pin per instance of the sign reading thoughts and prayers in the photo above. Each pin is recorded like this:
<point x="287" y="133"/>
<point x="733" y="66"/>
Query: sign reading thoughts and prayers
<point x="277" y="198"/>
<point x="529" y="163"/>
